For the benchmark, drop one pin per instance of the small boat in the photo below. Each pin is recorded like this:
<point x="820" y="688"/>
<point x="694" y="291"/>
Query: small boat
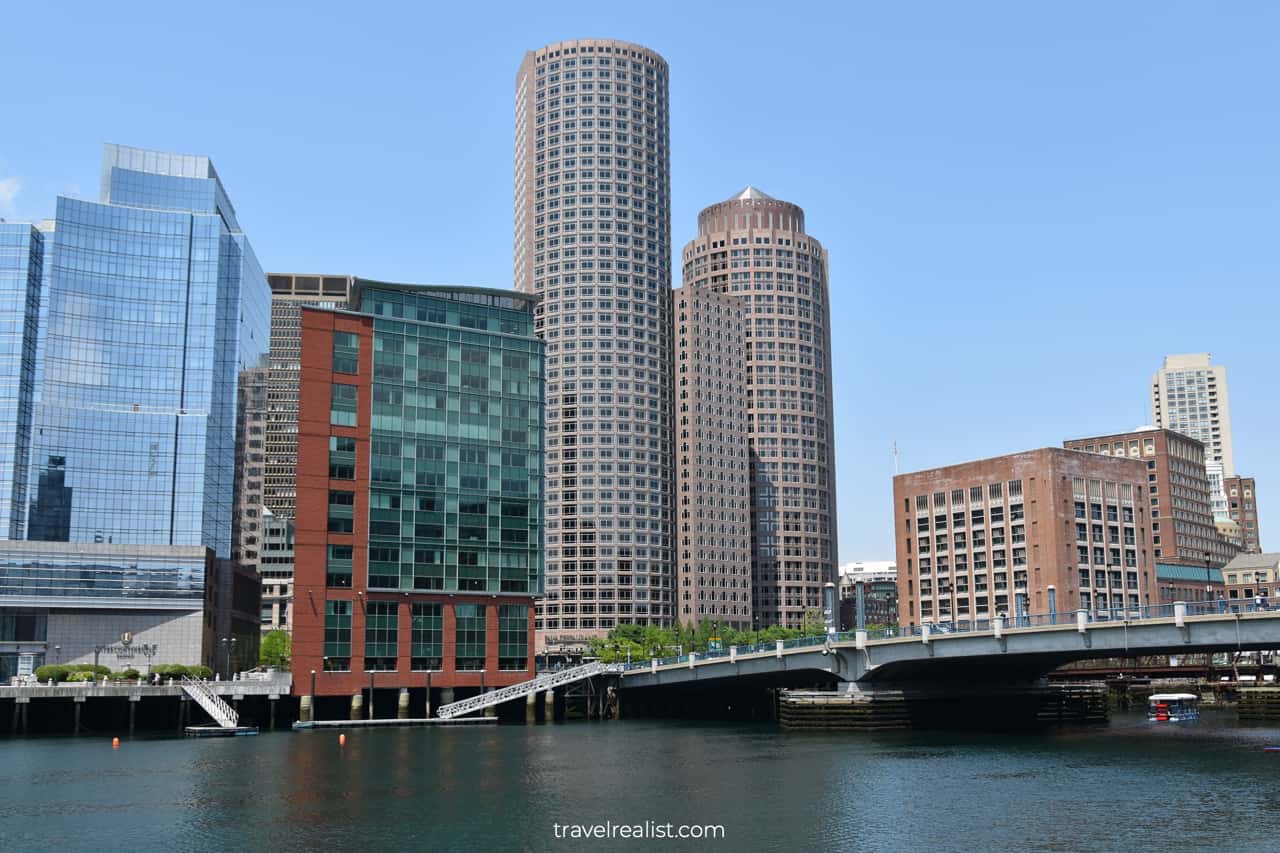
<point x="1173" y="707"/>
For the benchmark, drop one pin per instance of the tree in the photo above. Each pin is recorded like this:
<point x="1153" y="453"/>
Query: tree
<point x="276" y="649"/>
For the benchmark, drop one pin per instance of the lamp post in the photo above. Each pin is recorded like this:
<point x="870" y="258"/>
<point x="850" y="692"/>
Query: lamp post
<point x="313" y="684"/>
<point x="1208" y="577"/>
<point x="371" y="694"/>
<point x="228" y="647"/>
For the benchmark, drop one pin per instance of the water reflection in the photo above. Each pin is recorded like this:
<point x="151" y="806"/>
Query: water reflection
<point x="1129" y="785"/>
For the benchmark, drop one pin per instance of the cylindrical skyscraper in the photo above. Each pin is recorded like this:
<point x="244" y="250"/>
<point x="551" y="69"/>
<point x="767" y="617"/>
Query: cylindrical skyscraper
<point x="754" y="247"/>
<point x="593" y="239"/>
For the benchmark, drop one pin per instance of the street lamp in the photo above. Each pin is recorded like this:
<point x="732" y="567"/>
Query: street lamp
<point x="313" y="684"/>
<point x="1208" y="581"/>
<point x="229" y="647"/>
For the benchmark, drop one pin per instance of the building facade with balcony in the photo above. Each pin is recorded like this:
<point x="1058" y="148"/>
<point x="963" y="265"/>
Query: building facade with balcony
<point x="755" y="248"/>
<point x="593" y="239"/>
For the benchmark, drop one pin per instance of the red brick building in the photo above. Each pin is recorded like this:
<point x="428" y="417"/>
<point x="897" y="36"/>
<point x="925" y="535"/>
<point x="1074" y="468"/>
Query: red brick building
<point x="1182" y="526"/>
<point x="419" y="515"/>
<point x="1242" y="505"/>
<point x="1063" y="530"/>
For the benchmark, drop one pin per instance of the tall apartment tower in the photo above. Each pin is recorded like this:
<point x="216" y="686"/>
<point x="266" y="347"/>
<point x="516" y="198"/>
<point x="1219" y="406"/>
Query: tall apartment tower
<point x="1189" y="395"/>
<point x="290" y="293"/>
<point x="754" y="247"/>
<point x="713" y="522"/>
<point x="593" y="239"/>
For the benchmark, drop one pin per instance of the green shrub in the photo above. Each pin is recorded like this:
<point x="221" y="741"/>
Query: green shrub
<point x="199" y="672"/>
<point x="88" y="667"/>
<point x="56" y="671"/>
<point x="170" y="670"/>
<point x="127" y="675"/>
<point x="82" y="675"/>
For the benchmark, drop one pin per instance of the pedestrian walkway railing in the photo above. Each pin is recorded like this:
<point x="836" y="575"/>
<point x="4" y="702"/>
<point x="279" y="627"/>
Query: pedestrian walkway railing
<point x="214" y="705"/>
<point x="1096" y="617"/>
<point x="546" y="681"/>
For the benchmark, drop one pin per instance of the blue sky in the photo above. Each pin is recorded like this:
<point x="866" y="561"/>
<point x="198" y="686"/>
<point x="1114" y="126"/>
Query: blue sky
<point x="1026" y="204"/>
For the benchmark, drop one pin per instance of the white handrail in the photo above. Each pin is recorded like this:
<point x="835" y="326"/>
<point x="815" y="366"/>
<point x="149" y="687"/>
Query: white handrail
<point x="214" y="705"/>
<point x="547" y="681"/>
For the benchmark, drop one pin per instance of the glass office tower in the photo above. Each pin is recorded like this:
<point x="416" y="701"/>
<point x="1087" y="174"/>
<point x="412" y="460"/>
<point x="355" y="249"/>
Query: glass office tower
<point x="139" y="312"/>
<point x="21" y="271"/>
<point x="419" y="500"/>
<point x="156" y="303"/>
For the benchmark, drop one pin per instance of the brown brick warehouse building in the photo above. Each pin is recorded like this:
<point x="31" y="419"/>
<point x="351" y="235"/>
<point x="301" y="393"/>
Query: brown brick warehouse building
<point x="1047" y="523"/>
<point x="419" y="502"/>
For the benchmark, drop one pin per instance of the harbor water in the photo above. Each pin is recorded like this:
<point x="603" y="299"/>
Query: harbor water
<point x="1128" y="785"/>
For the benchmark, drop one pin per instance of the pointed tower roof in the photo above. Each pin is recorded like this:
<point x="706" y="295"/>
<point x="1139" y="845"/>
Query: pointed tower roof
<point x="752" y="193"/>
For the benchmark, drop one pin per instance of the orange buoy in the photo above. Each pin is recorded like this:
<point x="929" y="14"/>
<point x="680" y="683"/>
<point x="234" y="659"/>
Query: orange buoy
<point x="342" y="740"/>
<point x="115" y="743"/>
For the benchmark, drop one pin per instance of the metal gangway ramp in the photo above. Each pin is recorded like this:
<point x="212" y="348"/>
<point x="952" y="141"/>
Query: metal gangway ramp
<point x="547" y="681"/>
<point x="214" y="705"/>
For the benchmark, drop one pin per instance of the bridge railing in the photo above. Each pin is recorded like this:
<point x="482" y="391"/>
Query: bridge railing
<point x="1013" y="622"/>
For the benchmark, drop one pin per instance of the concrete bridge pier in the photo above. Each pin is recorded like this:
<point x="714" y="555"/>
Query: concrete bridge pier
<point x="944" y="705"/>
<point x="357" y="706"/>
<point x="134" y="699"/>
<point x="75" y="724"/>
<point x="531" y="709"/>
<point x="549" y="706"/>
<point x="402" y="704"/>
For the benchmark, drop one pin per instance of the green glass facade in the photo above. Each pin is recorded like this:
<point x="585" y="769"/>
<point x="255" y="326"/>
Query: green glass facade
<point x="430" y="518"/>
<point x="456" y="445"/>
<point x="513" y="637"/>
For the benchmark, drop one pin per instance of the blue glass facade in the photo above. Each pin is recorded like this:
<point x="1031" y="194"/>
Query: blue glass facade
<point x="125" y="325"/>
<point x="21" y="272"/>
<point x="154" y="304"/>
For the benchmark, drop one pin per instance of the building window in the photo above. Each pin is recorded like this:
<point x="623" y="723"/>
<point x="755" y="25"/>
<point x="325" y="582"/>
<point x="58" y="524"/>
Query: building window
<point x="513" y="637"/>
<point x="342" y="458"/>
<point x="341" y="511"/>
<point x="342" y="405"/>
<point x="469" y="637"/>
<point x="427" y="652"/>
<point x="338" y="567"/>
<point x="380" y="632"/>
<point x="337" y="636"/>
<point x="346" y="352"/>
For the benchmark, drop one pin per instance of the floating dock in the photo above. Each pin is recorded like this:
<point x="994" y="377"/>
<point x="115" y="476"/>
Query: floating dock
<point x="219" y="731"/>
<point x="412" y="721"/>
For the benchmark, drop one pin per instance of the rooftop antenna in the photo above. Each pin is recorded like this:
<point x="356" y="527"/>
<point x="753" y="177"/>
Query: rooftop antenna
<point x="895" y="459"/>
